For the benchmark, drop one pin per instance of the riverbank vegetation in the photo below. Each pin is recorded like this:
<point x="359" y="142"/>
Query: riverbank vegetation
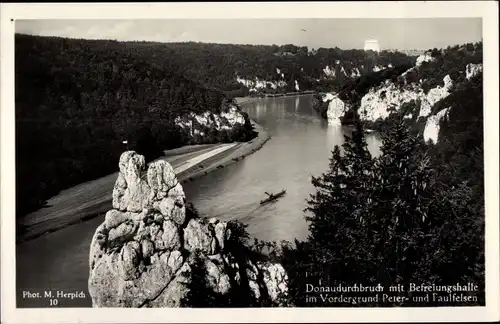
<point x="77" y="101"/>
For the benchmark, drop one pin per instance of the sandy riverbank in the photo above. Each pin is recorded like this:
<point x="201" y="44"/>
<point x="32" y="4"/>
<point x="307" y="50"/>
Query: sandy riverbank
<point x="230" y="156"/>
<point x="93" y="198"/>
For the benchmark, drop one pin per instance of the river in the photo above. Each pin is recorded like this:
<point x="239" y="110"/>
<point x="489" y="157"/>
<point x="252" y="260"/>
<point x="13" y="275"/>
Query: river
<point x="300" y="147"/>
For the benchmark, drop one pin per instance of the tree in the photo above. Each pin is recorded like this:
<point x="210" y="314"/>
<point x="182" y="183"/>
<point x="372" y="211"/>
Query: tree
<point x="337" y="214"/>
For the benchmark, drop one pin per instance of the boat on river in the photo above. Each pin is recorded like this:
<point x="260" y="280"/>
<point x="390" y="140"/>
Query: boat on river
<point x="272" y="197"/>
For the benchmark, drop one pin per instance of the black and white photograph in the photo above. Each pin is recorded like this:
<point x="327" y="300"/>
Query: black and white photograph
<point x="251" y="162"/>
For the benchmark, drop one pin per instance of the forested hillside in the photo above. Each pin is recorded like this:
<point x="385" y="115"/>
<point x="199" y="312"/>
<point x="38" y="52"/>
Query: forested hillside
<point x="78" y="100"/>
<point x="269" y="69"/>
<point x="220" y="64"/>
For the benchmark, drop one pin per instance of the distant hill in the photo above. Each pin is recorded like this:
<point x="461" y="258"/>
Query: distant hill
<point x="239" y="70"/>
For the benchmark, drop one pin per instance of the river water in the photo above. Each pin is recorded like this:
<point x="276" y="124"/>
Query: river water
<point x="300" y="146"/>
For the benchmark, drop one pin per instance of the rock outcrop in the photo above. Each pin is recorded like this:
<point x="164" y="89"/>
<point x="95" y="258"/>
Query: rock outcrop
<point x="196" y="123"/>
<point x="257" y="84"/>
<point x="432" y="126"/>
<point x="297" y="88"/>
<point x="426" y="57"/>
<point x="472" y="70"/>
<point x="143" y="253"/>
<point x="329" y="72"/>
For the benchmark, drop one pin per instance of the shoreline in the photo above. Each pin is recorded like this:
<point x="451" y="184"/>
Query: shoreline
<point x="233" y="155"/>
<point x="100" y="205"/>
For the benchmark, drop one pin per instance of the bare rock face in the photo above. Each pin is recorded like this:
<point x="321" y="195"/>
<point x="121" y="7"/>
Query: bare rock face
<point x="143" y="253"/>
<point x="198" y="238"/>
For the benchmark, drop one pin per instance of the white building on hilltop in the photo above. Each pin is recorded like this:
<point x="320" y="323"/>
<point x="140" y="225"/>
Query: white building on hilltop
<point x="372" y="44"/>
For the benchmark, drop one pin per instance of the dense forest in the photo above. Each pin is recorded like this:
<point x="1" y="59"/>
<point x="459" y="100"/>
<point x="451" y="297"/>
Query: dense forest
<point x="219" y="65"/>
<point x="77" y="101"/>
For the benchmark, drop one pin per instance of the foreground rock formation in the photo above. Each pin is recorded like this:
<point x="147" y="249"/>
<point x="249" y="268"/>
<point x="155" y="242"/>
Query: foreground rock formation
<point x="143" y="253"/>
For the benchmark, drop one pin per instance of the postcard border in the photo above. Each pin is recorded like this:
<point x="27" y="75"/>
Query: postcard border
<point x="485" y="9"/>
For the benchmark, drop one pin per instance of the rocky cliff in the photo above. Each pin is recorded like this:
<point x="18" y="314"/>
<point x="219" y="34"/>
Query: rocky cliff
<point x="226" y="120"/>
<point x="413" y="94"/>
<point x="145" y="251"/>
<point x="378" y="102"/>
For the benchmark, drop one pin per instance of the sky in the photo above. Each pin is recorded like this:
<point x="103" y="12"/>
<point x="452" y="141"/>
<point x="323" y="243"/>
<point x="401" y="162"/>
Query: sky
<point x="413" y="33"/>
